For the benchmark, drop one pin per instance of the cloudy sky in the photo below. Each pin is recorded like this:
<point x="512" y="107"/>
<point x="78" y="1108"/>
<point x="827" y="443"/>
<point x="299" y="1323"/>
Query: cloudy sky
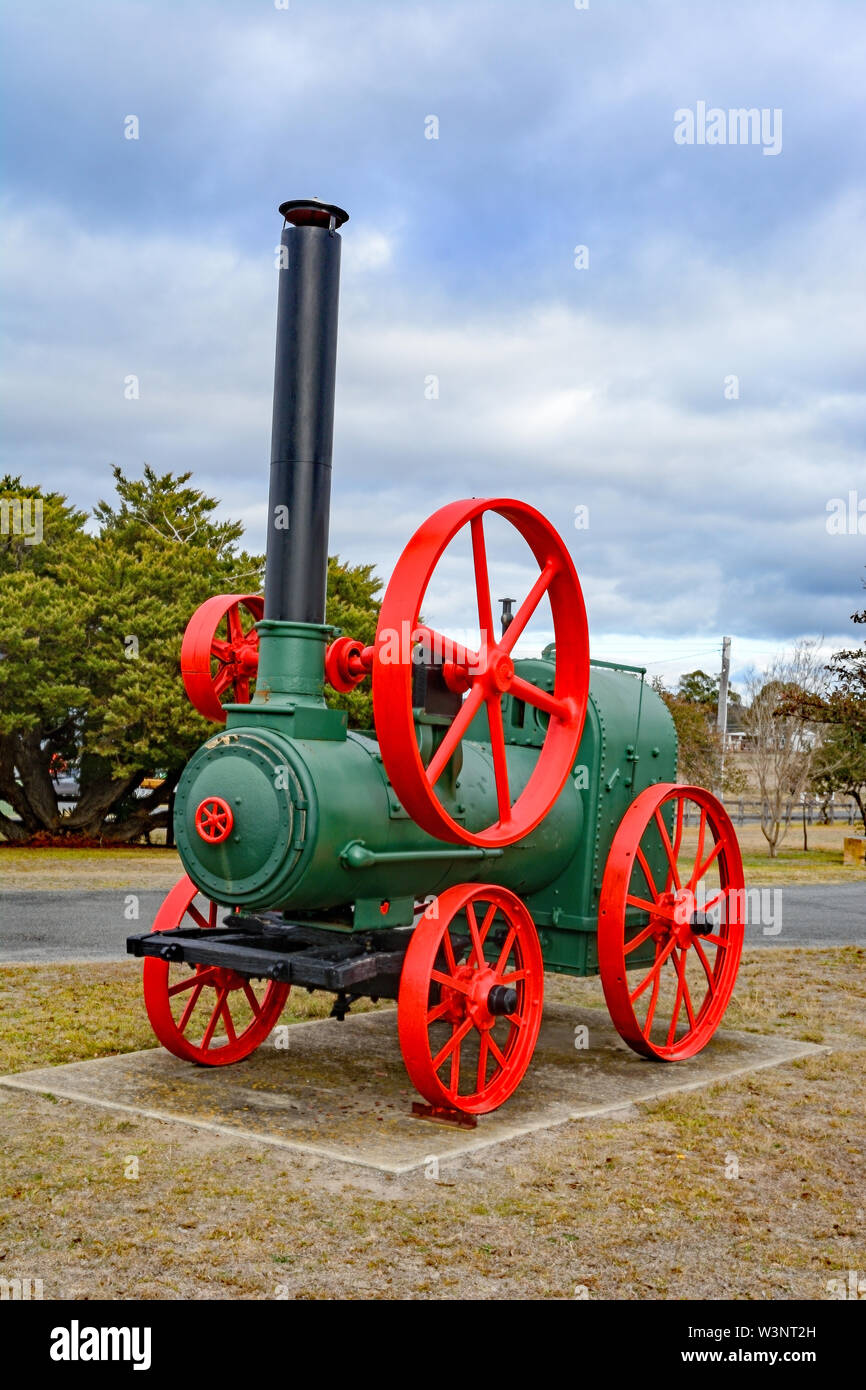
<point x="698" y="386"/>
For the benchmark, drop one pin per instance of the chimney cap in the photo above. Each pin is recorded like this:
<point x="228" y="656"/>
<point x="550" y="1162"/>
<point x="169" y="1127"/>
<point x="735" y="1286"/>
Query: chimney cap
<point x="312" y="212"/>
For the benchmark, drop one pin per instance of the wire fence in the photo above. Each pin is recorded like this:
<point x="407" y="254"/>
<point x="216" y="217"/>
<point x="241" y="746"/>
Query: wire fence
<point x="742" y="810"/>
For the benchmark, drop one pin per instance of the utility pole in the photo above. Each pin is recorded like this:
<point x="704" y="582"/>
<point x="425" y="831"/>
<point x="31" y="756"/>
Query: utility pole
<point x="722" y="716"/>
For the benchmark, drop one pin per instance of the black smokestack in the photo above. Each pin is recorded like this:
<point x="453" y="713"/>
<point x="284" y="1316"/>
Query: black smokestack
<point x="296" y="573"/>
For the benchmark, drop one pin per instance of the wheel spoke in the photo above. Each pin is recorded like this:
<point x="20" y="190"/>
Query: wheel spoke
<point x="542" y="699"/>
<point x="450" y="958"/>
<point x="460" y="724"/>
<point x="678" y="999"/>
<point x="234" y="624"/>
<point x="223" y="679"/>
<point x="641" y="859"/>
<point x="477" y="946"/>
<point x="197" y="917"/>
<point x="702" y="830"/>
<point x="228" y="1020"/>
<point x="506" y="950"/>
<point x="438" y="1011"/>
<point x="211" y="1027"/>
<point x="713" y="854"/>
<point x="201" y="978"/>
<point x="651" y="1007"/>
<point x="702" y="957"/>
<point x="483" y="1050"/>
<point x="673" y="871"/>
<point x="457" y="1036"/>
<point x="721" y="941"/>
<point x="500" y="766"/>
<point x="190" y="1006"/>
<point x="654" y="969"/>
<point x="454" y="1084"/>
<point x="488" y="921"/>
<point x="449" y="981"/>
<point x="639" y="939"/>
<point x="482" y="584"/>
<point x="655" y="908"/>
<point x="512" y="977"/>
<point x="495" y="1049"/>
<point x="223" y="651"/>
<point x="529" y="605"/>
<point x="251" y="998"/>
<point x="678" y="831"/>
<point x="680" y="965"/>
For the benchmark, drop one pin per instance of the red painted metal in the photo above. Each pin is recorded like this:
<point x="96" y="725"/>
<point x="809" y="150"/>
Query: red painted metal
<point x="486" y="674"/>
<point x="695" y="960"/>
<point x="347" y="662"/>
<point x="185" y="1004"/>
<point x="214" y="820"/>
<point x="213" y="667"/>
<point x="443" y="1018"/>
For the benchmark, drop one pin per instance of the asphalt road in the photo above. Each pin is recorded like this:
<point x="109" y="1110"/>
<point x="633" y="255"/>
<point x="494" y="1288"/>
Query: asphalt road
<point x="94" y="926"/>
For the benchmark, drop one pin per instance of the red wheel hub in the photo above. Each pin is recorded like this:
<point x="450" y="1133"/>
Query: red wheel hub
<point x="661" y="893"/>
<point x="214" y="820"/>
<point x="486" y="675"/>
<point x="217" y="667"/>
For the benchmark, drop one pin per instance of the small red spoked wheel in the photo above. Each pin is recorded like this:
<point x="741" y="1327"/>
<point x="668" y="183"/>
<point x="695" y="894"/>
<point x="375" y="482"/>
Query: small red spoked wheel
<point x="486" y="674"/>
<point x="677" y="899"/>
<point x="471" y="996"/>
<point x="216" y="667"/>
<point x="205" y="1013"/>
<point x="214" y="820"/>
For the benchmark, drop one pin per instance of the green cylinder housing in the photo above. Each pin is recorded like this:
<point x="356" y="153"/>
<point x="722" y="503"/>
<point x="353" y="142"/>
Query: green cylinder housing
<point x="317" y="831"/>
<point x="316" y="825"/>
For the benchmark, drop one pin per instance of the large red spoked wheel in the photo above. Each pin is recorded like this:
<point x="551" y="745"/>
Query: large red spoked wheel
<point x="205" y="1013"/>
<point x="216" y="667"/>
<point x="471" y="996"/>
<point x="677" y="892"/>
<point x="486" y="674"/>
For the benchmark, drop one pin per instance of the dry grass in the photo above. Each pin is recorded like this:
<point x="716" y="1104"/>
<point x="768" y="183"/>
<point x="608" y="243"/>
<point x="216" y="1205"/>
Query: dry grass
<point x="639" y="1207"/>
<point x="50" y="1014"/>
<point x="821" y="863"/>
<point x="59" y="870"/>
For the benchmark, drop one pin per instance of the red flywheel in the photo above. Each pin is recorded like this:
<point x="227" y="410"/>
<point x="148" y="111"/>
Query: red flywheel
<point x="219" y="655"/>
<point x="485" y="675"/>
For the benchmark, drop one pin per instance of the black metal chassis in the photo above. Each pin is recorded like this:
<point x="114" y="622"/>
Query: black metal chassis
<point x="352" y="965"/>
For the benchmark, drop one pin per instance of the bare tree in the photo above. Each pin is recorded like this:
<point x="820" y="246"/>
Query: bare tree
<point x="782" y="741"/>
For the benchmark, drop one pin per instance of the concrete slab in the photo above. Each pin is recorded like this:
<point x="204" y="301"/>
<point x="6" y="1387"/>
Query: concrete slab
<point x="339" y="1090"/>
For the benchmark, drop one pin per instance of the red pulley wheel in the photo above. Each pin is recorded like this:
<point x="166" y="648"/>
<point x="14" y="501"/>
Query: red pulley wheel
<point x="674" y="892"/>
<point x="487" y="675"/>
<point x="205" y="1013"/>
<point x="471" y="998"/>
<point x="218" y="668"/>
